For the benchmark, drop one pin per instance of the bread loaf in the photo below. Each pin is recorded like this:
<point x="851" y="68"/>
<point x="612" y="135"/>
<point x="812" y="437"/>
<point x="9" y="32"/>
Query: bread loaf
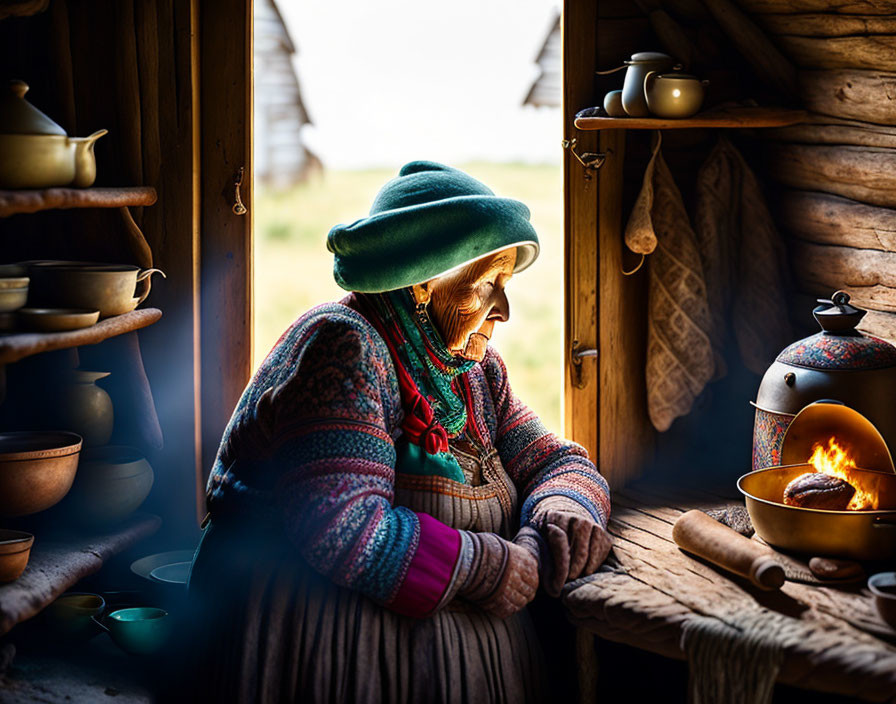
<point x="819" y="490"/>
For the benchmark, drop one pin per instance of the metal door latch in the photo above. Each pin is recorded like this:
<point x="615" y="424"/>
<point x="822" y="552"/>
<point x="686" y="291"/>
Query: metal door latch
<point x="238" y="207"/>
<point x="590" y="160"/>
<point x="576" y="356"/>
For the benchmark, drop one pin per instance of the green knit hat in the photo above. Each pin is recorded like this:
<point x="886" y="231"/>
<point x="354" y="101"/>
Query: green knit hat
<point x="428" y="220"/>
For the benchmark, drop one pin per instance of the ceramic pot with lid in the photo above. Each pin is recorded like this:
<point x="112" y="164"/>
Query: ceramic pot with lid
<point x="837" y="364"/>
<point x="35" y="152"/>
<point x="642" y="63"/>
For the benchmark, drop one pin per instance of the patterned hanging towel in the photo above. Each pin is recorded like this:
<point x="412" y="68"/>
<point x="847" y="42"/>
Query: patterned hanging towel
<point x="679" y="352"/>
<point x="423" y="449"/>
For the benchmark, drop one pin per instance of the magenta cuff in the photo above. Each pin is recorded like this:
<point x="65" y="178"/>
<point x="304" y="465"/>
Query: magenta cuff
<point x="431" y="569"/>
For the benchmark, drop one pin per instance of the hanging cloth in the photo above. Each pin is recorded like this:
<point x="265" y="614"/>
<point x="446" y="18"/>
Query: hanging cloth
<point x="679" y="352"/>
<point x="744" y="259"/>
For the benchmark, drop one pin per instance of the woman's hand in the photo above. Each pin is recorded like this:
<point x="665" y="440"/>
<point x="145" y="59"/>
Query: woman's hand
<point x="502" y="577"/>
<point x="576" y="543"/>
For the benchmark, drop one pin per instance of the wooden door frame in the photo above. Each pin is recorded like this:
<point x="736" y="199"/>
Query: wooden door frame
<point x="605" y="395"/>
<point x="224" y="330"/>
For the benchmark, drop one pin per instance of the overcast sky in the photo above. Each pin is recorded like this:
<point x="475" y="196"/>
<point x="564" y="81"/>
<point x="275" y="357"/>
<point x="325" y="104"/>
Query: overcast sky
<point x="394" y="80"/>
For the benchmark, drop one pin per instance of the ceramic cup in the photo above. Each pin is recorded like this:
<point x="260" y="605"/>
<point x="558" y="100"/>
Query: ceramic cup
<point x="72" y="615"/>
<point x="883" y="586"/>
<point x="139" y="630"/>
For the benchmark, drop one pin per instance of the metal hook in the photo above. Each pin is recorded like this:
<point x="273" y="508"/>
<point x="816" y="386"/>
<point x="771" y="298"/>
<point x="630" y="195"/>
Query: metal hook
<point x="238" y="207"/>
<point x="640" y="264"/>
<point x="590" y="160"/>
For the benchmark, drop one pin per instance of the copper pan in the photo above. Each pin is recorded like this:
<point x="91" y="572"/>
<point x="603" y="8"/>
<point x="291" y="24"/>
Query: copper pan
<point x="856" y="535"/>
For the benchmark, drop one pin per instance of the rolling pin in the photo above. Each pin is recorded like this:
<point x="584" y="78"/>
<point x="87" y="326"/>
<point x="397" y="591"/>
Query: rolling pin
<point x="705" y="537"/>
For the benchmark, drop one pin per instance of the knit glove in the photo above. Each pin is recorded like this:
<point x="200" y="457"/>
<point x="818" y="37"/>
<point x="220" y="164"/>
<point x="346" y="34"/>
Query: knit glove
<point x="495" y="574"/>
<point x="577" y="545"/>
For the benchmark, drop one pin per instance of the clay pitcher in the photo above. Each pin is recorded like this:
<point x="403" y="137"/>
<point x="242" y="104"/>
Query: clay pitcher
<point x="86" y="409"/>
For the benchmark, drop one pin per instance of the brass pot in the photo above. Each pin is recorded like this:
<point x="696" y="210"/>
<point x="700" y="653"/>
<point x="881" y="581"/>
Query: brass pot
<point x="47" y="160"/>
<point x="855" y="535"/>
<point x="35" y="152"/>
<point x="109" y="288"/>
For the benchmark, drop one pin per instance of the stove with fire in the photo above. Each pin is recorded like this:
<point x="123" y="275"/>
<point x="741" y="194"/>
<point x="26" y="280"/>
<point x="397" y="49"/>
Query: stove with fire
<point x="823" y="480"/>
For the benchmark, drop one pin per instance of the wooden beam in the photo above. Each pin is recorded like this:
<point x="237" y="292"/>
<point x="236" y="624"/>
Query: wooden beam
<point x="876" y="52"/>
<point x="827" y="219"/>
<point x="864" y="174"/>
<point x="869" y="276"/>
<point x="226" y="242"/>
<point x="854" y="7"/>
<point x="850" y="94"/>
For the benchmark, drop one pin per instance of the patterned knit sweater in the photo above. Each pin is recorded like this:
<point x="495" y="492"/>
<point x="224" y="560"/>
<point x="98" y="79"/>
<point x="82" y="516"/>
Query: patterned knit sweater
<point x="312" y="444"/>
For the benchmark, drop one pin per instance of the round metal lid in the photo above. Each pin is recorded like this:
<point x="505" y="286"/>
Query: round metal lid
<point x="839" y="346"/>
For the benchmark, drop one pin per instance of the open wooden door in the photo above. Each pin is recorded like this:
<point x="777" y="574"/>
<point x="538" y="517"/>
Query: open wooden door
<point x="225" y="256"/>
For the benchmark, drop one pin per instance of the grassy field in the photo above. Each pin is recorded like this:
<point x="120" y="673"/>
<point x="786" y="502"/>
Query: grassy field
<point x="293" y="269"/>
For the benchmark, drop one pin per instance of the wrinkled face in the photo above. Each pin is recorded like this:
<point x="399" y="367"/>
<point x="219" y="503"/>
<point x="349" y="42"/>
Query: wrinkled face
<point x="465" y="304"/>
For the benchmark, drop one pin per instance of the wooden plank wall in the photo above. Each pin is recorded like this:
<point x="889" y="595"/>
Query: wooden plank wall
<point x="835" y="175"/>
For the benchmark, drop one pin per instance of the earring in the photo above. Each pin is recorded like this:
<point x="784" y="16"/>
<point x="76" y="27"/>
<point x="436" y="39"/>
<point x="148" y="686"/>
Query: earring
<point x="421" y="312"/>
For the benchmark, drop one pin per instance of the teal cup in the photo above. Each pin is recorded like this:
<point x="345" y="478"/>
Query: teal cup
<point x="141" y="630"/>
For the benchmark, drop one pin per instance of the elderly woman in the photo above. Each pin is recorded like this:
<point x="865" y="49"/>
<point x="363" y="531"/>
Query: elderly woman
<point x="382" y="507"/>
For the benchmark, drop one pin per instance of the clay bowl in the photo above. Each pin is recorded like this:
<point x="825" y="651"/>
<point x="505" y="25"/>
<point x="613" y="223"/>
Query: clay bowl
<point x="57" y="319"/>
<point x="15" y="549"/>
<point x="71" y="616"/>
<point x="141" y="630"/>
<point x="112" y="482"/>
<point x="36" y="470"/>
<point x="12" y="298"/>
<point x="883" y="586"/>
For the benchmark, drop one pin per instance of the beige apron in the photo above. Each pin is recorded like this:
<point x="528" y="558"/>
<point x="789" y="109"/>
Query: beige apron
<point x="285" y="633"/>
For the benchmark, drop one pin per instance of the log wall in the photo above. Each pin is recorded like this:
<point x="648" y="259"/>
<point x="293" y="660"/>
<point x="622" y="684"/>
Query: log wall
<point x="835" y="175"/>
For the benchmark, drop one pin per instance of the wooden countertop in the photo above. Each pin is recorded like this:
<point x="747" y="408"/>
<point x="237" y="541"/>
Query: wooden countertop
<point x="649" y="590"/>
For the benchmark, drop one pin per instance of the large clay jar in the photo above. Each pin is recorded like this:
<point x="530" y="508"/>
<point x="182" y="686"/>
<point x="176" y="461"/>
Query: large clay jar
<point x="111" y="484"/>
<point x="86" y="409"/>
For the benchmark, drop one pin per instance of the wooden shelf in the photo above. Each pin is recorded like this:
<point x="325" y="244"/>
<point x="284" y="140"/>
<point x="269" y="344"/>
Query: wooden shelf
<point x="31" y="201"/>
<point x="16" y="346"/>
<point x="725" y="118"/>
<point x="56" y="563"/>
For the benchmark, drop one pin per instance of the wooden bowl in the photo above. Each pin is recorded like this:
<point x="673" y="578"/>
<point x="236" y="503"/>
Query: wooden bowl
<point x="15" y="549"/>
<point x="57" y="319"/>
<point x="36" y="470"/>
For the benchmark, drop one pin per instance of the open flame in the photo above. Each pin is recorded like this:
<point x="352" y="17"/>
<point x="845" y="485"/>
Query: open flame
<point x="835" y="460"/>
